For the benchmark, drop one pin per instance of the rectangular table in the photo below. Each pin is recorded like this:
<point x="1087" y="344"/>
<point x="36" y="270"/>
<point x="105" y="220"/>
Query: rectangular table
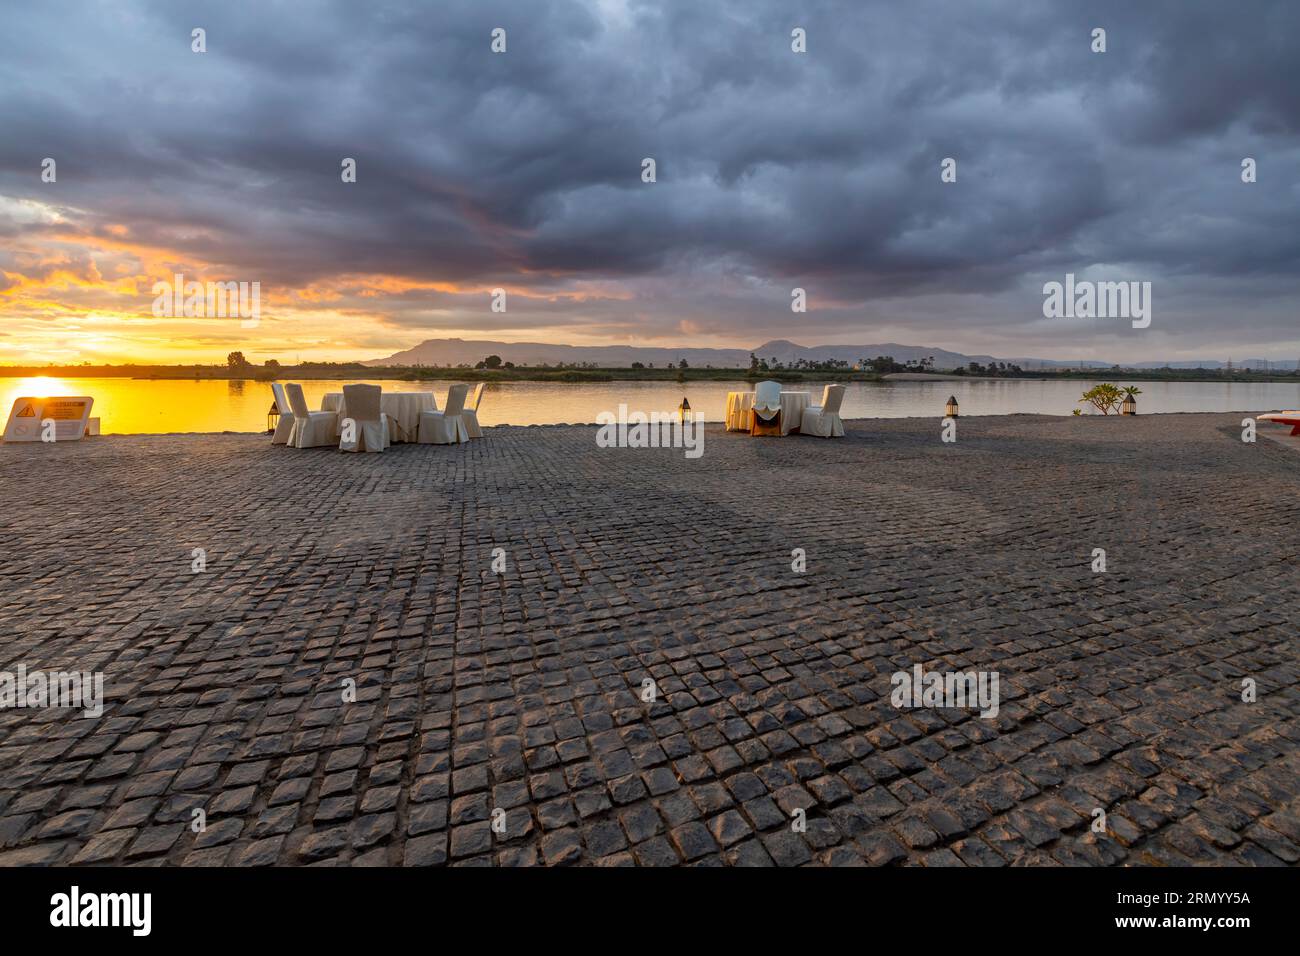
<point x="402" y="408"/>
<point x="740" y="404"/>
<point x="1284" y="418"/>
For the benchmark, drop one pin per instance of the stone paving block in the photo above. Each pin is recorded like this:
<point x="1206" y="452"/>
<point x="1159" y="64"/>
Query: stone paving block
<point x="1120" y="691"/>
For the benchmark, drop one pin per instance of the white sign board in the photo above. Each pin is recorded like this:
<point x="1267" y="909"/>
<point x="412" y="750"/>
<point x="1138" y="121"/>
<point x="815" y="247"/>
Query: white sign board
<point x="57" y="418"/>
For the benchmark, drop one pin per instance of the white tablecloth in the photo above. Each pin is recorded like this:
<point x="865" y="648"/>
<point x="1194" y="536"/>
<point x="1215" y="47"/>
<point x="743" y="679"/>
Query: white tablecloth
<point x="402" y="408"/>
<point x="739" y="405"/>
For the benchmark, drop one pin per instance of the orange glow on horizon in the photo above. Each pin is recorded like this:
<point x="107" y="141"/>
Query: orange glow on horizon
<point x="75" y="295"/>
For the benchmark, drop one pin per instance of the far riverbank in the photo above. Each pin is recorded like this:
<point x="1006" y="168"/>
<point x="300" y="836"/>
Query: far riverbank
<point x="354" y="371"/>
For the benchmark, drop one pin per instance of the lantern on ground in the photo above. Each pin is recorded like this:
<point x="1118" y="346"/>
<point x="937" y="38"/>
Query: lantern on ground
<point x="1129" y="405"/>
<point x="684" y="410"/>
<point x="950" y="410"/>
<point x="273" y="418"/>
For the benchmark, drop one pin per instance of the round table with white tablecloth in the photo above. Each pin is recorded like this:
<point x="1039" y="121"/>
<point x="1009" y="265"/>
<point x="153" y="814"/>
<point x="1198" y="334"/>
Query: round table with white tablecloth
<point x="739" y="405"/>
<point x="402" y="408"/>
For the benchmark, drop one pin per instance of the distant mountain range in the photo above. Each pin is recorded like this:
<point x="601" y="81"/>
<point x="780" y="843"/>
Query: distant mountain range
<point x="446" y="353"/>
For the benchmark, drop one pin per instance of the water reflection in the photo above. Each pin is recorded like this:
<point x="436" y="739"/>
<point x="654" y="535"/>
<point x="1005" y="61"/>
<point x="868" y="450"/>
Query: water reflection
<point x="139" y="405"/>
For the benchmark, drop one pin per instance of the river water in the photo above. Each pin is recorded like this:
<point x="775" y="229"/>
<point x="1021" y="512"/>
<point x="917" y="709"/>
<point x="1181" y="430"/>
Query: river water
<point x="150" y="406"/>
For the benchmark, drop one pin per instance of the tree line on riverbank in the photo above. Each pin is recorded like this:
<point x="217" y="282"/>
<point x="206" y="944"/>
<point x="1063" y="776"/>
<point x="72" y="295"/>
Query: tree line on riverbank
<point x="492" y="369"/>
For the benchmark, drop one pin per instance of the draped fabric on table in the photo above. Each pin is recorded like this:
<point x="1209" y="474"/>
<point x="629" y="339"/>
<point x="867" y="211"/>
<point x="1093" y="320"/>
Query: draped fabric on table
<point x="402" y="408"/>
<point x="739" y="405"/>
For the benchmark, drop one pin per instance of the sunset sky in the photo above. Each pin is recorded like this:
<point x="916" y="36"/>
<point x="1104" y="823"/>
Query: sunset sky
<point x="522" y="170"/>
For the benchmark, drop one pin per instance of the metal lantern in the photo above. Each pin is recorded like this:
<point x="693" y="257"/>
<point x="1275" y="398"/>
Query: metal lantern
<point x="273" y="418"/>
<point x="684" y="409"/>
<point x="1129" y="406"/>
<point x="951" y="408"/>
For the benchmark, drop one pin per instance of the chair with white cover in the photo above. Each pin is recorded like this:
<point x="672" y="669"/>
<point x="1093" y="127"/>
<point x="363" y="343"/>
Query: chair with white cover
<point x="448" y="426"/>
<point x="369" y="431"/>
<point x="824" y="420"/>
<point x="285" y="424"/>
<point x="765" y="417"/>
<point x="470" y="414"/>
<point x="310" y="429"/>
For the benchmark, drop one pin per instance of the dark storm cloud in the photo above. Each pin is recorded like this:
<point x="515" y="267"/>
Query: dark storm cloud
<point x="775" y="169"/>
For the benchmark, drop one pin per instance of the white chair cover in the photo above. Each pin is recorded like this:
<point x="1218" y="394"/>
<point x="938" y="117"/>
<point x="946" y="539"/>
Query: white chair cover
<point x="767" y="400"/>
<point x="446" y="427"/>
<point x="832" y="399"/>
<point x="310" y="429"/>
<point x="470" y="414"/>
<point x="371" y="425"/>
<point x="824" y="420"/>
<point x="285" y="425"/>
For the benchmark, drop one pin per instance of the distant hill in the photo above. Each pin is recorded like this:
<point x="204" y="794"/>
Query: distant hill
<point x="453" y="352"/>
<point x="447" y="353"/>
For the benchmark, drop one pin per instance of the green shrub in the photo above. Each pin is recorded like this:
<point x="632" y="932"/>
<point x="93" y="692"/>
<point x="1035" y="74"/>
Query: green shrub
<point x="1104" y="397"/>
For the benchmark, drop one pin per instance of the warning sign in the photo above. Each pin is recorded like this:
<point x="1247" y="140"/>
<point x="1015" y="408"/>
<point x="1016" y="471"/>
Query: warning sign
<point x="66" y="409"/>
<point x="62" y="418"/>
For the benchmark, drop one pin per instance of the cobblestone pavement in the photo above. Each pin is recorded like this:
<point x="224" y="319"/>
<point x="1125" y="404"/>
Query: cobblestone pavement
<point x="521" y="692"/>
